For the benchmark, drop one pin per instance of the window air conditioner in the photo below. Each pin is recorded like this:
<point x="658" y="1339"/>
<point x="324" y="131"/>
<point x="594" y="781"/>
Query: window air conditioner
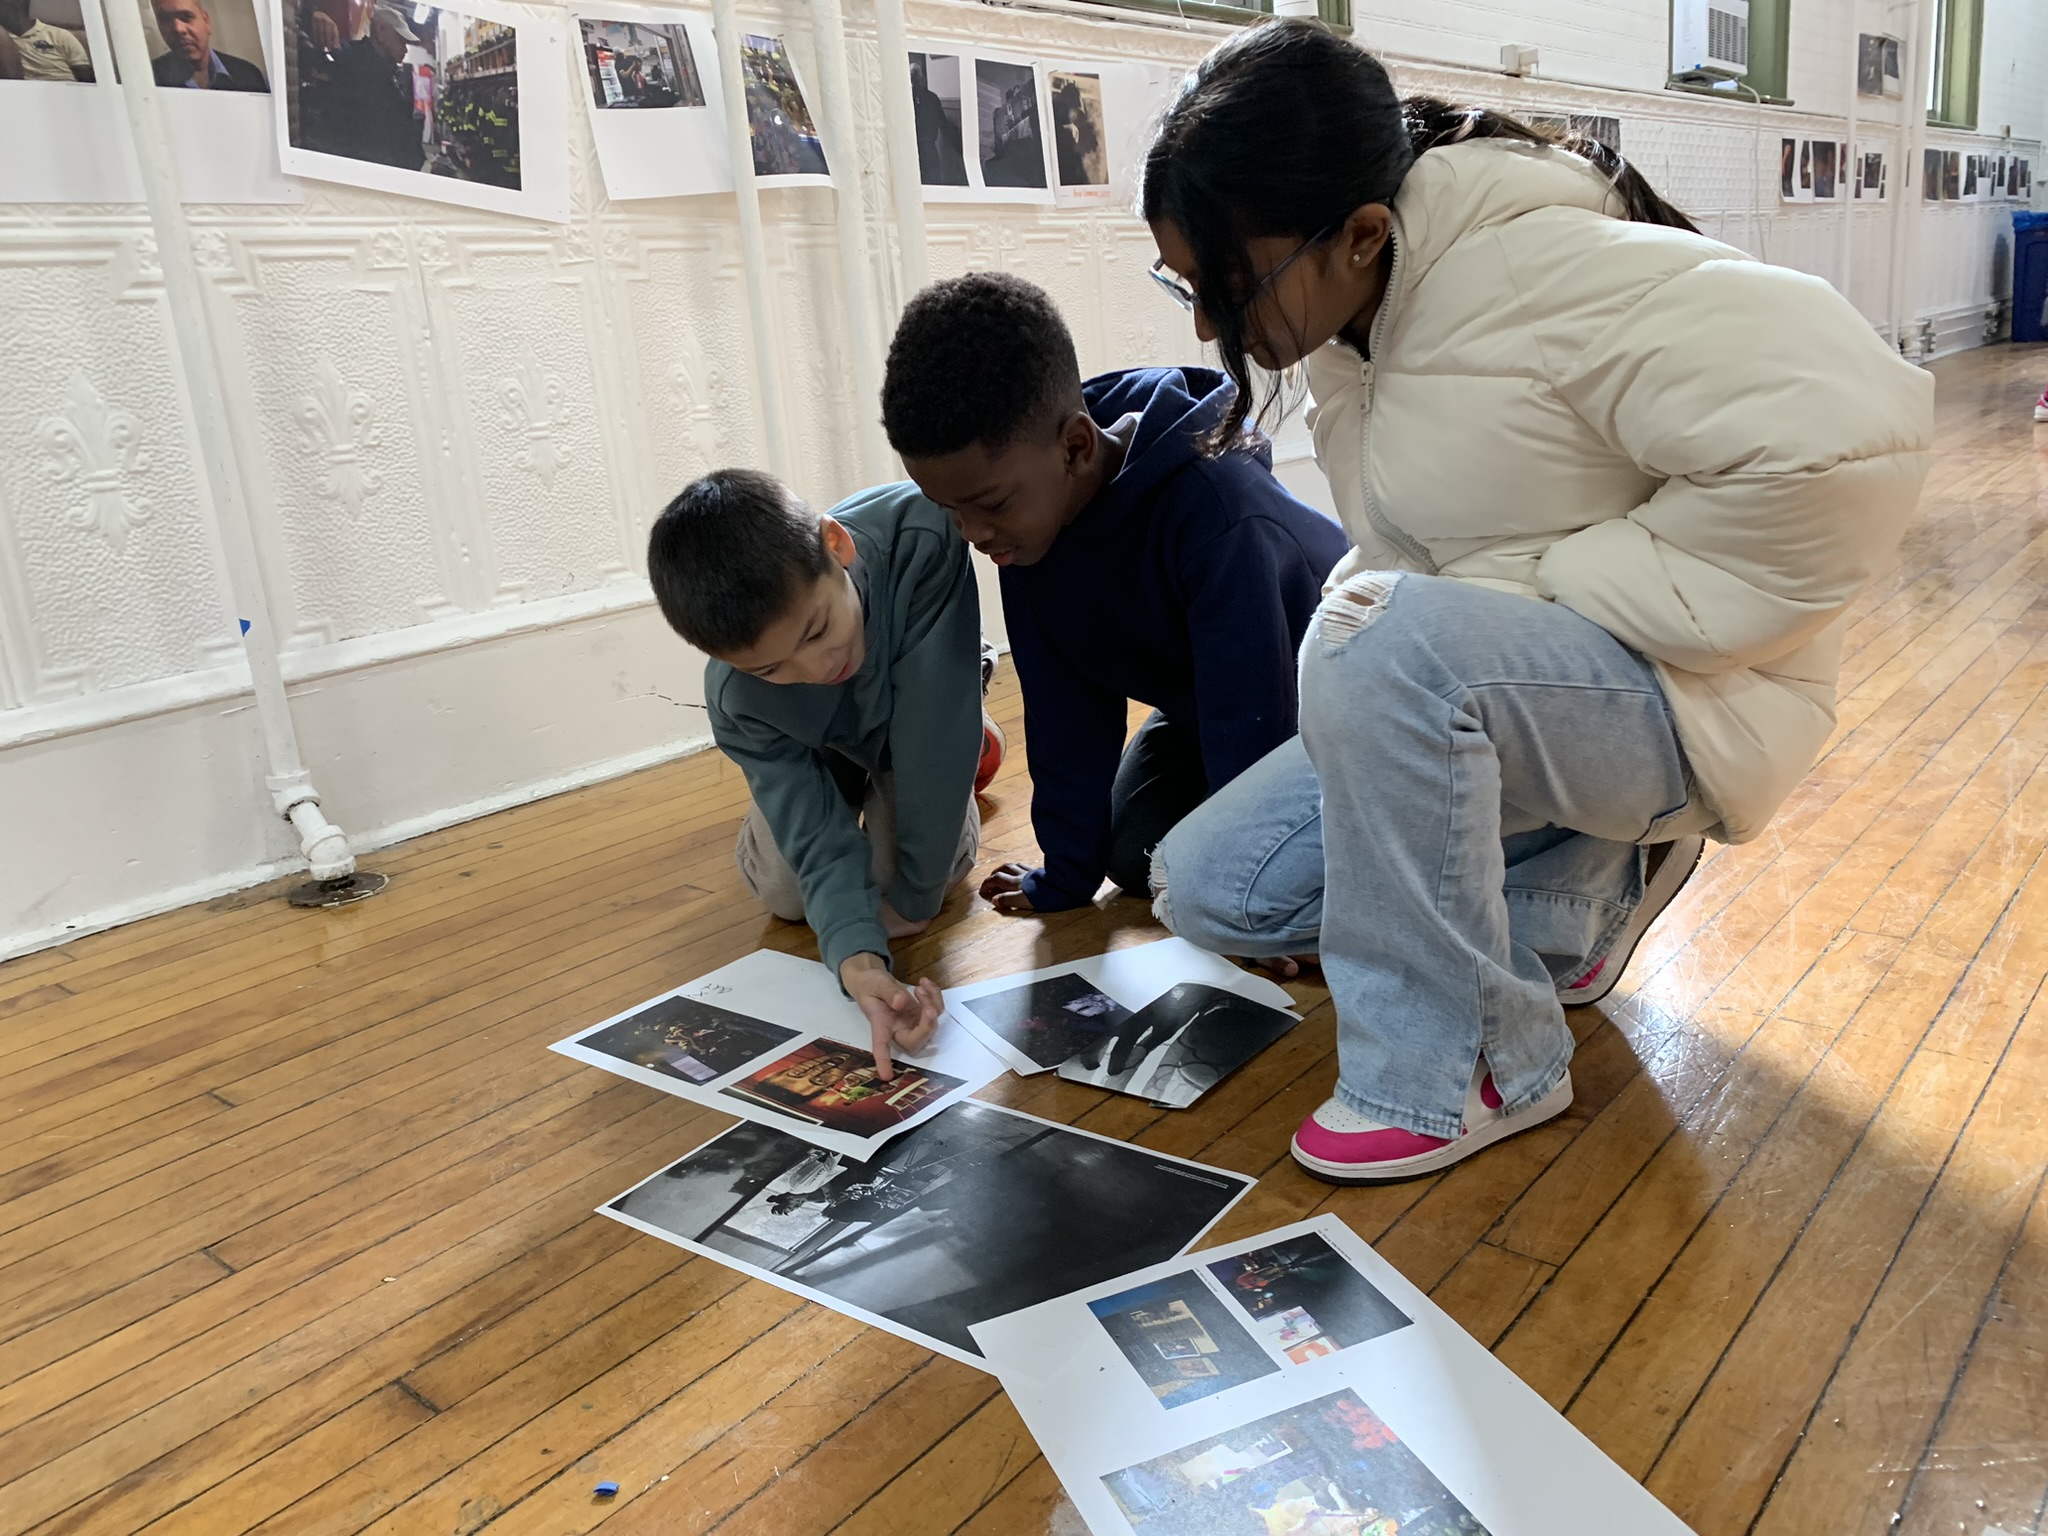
<point x="1710" y="37"/>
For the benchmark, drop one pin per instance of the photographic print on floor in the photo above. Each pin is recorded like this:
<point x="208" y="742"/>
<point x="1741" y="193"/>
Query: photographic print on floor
<point x="975" y="1213"/>
<point x="935" y="103"/>
<point x="1052" y="1019"/>
<point x="785" y="138"/>
<point x="638" y="65"/>
<point x="1012" y="143"/>
<point x="691" y="1040"/>
<point x="1305" y="1299"/>
<point x="1331" y="1467"/>
<point x="1180" y="1339"/>
<point x="1080" y="131"/>
<point x="1179" y="1045"/>
<point x="435" y="94"/>
<point x="836" y="1086"/>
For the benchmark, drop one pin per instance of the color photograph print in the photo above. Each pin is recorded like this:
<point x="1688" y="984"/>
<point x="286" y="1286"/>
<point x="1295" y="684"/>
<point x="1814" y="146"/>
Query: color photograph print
<point x="1183" y="1343"/>
<point x="1012" y="143"/>
<point x="1303" y="1298"/>
<point x="639" y="66"/>
<point x="935" y="105"/>
<point x="45" y="41"/>
<point x="682" y="1038"/>
<point x="975" y="1213"/>
<point x="1179" y="1045"/>
<point x="208" y="45"/>
<point x="1327" y="1468"/>
<point x="1080" y="136"/>
<point x="779" y="123"/>
<point x="836" y="1086"/>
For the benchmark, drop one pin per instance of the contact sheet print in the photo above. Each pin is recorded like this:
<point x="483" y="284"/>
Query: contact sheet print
<point x="772" y="1039"/>
<point x="1295" y="1382"/>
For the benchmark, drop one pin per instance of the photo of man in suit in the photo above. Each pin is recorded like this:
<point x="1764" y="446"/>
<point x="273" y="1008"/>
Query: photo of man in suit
<point x="191" y="61"/>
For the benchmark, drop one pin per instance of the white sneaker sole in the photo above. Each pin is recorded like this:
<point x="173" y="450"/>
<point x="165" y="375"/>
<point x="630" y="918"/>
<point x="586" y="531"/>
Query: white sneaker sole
<point x="2041" y="413"/>
<point x="1662" y="890"/>
<point x="1549" y="1107"/>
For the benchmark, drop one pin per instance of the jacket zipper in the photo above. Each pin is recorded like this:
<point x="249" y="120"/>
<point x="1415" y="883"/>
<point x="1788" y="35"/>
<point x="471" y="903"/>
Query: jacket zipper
<point x="1399" y="537"/>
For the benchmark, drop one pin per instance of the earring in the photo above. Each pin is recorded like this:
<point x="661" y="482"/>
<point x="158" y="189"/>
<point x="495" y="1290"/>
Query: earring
<point x="1356" y="258"/>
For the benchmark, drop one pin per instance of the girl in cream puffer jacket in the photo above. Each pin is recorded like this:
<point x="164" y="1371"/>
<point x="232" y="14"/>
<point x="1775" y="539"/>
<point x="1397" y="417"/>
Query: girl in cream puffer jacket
<point x="1612" y="487"/>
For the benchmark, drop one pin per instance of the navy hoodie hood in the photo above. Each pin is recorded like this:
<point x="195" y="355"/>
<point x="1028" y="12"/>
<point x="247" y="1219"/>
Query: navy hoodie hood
<point x="1186" y="584"/>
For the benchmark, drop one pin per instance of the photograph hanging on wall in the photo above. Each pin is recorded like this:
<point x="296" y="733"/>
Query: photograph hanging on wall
<point x="772" y="1038"/>
<point x="1824" y="157"/>
<point x="461" y="105"/>
<point x="637" y="67"/>
<point x="1877" y="66"/>
<point x="1080" y="1010"/>
<point x="1952" y="176"/>
<point x="1178" y="1046"/>
<point x="1080" y="137"/>
<point x="47" y="42"/>
<point x="1011" y="142"/>
<point x="935" y="104"/>
<point x="1392" y="1422"/>
<point x="216" y="39"/>
<point x="1930" y="175"/>
<point x="654" y="101"/>
<point x="977" y="1212"/>
<point x="1873" y="172"/>
<point x="785" y="138"/>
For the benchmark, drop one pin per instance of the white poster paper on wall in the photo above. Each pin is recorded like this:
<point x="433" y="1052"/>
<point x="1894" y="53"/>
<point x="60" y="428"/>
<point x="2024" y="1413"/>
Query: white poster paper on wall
<point x="1138" y="96"/>
<point x="465" y="104"/>
<point x="222" y="144"/>
<point x="772" y="1039"/>
<point x="1872" y="178"/>
<point x="1081" y="137"/>
<point x="655" y="100"/>
<point x="783" y="134"/>
<point x="1795" y="170"/>
<point x="1295" y="1380"/>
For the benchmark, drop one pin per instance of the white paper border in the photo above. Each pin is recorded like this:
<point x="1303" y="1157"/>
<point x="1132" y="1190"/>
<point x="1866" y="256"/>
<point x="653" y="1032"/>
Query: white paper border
<point x="1245" y="1182"/>
<point x="799" y="178"/>
<point x="672" y="152"/>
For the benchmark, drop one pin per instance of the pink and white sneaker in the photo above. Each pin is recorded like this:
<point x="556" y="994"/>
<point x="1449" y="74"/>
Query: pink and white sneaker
<point x="1342" y="1146"/>
<point x="1671" y="865"/>
<point x="2041" y="407"/>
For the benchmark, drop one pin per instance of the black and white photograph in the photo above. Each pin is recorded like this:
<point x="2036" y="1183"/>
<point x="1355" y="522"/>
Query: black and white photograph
<point x="639" y="66"/>
<point x="975" y="1213"/>
<point x="1080" y="131"/>
<point x="935" y="102"/>
<point x="1051" y="1019"/>
<point x="1877" y="65"/>
<point x="1012" y="142"/>
<point x="1331" y="1467"/>
<point x="1305" y="1299"/>
<point x="1823" y="170"/>
<point x="205" y="45"/>
<point x="683" y="1038"/>
<point x="416" y="89"/>
<point x="1179" y="1045"/>
<point x="779" y="122"/>
<point x="1180" y="1339"/>
<point x="44" y="40"/>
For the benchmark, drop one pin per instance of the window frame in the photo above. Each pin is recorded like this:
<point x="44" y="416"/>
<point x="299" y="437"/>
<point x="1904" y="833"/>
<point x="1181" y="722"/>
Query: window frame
<point x="1770" y="57"/>
<point x="1956" y="64"/>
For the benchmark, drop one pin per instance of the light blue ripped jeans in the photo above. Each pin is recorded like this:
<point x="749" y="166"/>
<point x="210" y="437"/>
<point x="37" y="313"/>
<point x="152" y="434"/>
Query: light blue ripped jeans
<point x="1456" y="831"/>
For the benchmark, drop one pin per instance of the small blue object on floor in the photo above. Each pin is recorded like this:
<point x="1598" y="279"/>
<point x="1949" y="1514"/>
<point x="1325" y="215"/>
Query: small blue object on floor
<point x="606" y="1490"/>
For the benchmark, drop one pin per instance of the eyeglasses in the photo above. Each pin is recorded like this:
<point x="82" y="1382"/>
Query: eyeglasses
<point x="1187" y="298"/>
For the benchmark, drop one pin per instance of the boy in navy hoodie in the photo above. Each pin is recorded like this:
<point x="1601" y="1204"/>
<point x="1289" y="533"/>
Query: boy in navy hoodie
<point x="1134" y="566"/>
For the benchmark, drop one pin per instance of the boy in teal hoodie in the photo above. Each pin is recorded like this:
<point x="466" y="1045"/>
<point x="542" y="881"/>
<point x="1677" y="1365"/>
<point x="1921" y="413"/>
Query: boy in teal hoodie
<point x="845" y="681"/>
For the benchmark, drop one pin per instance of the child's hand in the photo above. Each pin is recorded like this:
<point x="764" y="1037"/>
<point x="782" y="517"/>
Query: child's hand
<point x="1004" y="890"/>
<point x="898" y="1014"/>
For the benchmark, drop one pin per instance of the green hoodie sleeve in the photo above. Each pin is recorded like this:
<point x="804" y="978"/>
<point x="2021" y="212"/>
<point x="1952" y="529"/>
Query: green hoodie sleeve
<point x="935" y="724"/>
<point x="817" y="831"/>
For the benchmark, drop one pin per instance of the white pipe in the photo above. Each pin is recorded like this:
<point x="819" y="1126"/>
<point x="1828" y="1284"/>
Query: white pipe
<point x="725" y="24"/>
<point x="1913" y="145"/>
<point x="835" y="84"/>
<point x="291" y="786"/>
<point x="1851" y="187"/>
<point x="899" y="122"/>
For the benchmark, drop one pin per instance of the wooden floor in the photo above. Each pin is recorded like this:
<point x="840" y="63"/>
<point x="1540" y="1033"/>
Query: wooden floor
<point x="295" y="1209"/>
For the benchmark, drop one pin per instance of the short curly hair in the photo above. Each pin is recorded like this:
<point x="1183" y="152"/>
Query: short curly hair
<point x="983" y="359"/>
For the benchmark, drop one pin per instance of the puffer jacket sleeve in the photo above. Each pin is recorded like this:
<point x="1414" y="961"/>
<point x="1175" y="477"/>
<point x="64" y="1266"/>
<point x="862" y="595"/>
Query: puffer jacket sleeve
<point x="1792" y="443"/>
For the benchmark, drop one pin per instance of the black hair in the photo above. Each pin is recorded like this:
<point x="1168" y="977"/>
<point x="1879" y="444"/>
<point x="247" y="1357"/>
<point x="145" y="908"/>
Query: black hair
<point x="728" y="556"/>
<point x="1349" y="140"/>
<point x="983" y="359"/>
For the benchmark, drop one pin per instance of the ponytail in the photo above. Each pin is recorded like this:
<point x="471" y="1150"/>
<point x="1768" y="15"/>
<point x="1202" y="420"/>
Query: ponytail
<point x="1348" y="141"/>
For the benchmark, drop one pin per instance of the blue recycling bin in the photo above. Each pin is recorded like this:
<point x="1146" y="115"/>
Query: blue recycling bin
<point x="2029" y="276"/>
